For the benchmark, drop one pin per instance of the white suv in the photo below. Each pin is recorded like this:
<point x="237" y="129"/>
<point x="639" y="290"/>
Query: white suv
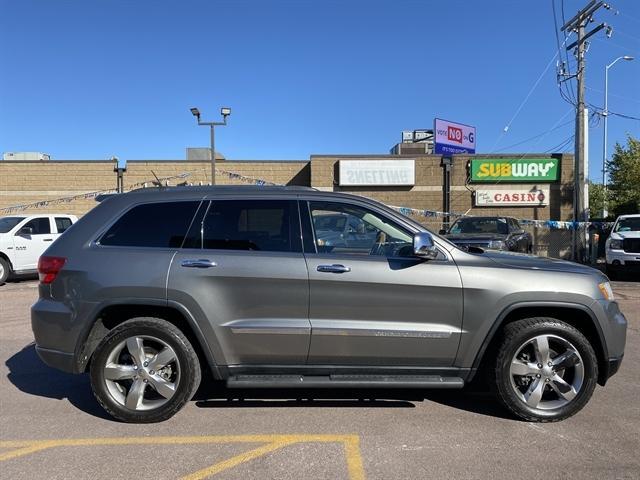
<point x="623" y="246"/>
<point x="23" y="238"/>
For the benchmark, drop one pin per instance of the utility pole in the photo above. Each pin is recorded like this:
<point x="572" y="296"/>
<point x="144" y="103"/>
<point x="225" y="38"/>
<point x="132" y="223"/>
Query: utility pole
<point x="578" y="25"/>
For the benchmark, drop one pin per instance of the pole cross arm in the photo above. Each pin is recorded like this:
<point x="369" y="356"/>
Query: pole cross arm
<point x="583" y="14"/>
<point x="592" y="32"/>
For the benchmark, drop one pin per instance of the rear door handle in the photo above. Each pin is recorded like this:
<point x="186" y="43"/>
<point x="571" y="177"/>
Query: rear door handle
<point x="47" y="239"/>
<point x="334" y="268"/>
<point x="198" y="263"/>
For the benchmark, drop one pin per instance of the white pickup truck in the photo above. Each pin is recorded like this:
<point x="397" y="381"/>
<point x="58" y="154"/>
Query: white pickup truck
<point x="23" y="238"/>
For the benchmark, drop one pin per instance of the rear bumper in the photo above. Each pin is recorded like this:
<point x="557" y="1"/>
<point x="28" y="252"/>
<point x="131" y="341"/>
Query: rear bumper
<point x="614" y="366"/>
<point x="54" y="358"/>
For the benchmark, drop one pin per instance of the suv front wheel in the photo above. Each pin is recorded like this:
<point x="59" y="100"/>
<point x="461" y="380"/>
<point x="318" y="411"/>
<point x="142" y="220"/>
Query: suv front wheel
<point x="546" y="370"/>
<point x="144" y="371"/>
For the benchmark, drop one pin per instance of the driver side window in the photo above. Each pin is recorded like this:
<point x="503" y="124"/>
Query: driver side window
<point x="342" y="228"/>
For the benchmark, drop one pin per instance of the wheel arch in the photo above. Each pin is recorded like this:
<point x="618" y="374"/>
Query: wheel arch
<point x="578" y="316"/>
<point x="111" y="315"/>
<point x="4" y="256"/>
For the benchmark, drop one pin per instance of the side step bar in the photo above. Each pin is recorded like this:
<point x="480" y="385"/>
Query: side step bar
<point x="344" y="381"/>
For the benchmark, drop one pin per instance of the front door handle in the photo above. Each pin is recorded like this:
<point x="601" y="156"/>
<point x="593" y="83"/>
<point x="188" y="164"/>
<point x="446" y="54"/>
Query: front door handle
<point x="198" y="263"/>
<point x="47" y="239"/>
<point x="334" y="268"/>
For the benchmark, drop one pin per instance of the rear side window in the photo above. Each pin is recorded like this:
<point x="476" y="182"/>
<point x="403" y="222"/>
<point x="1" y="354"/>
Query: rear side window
<point x="260" y="225"/>
<point x="159" y="225"/>
<point x="62" y="223"/>
<point x="40" y="226"/>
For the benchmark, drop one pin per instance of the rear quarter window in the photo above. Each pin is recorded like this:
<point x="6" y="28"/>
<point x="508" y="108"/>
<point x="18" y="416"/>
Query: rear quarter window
<point x="156" y="225"/>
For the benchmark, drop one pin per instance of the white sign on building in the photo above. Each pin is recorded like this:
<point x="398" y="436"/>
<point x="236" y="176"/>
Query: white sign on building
<point x="376" y="172"/>
<point x="518" y="196"/>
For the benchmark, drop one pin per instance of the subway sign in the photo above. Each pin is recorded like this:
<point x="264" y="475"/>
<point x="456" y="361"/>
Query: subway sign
<point x="509" y="170"/>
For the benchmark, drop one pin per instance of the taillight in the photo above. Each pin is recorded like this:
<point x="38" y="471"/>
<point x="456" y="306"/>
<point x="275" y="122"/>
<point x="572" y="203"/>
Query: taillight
<point x="48" y="268"/>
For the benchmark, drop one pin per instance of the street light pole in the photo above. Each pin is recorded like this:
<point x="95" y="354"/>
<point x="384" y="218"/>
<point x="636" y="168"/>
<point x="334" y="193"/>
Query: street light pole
<point x="225" y="112"/>
<point x="605" y="114"/>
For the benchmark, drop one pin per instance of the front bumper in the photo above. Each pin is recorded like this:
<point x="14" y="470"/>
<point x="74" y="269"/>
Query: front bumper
<point x="621" y="258"/>
<point x="613" y="327"/>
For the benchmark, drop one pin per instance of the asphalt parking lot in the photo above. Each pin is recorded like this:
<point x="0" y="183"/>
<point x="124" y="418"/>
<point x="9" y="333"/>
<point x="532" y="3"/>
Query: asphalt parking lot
<point x="51" y="427"/>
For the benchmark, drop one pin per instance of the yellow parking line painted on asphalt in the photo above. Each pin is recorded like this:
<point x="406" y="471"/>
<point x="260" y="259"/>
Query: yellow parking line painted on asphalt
<point x="19" y="452"/>
<point x="234" y="461"/>
<point x="351" y="445"/>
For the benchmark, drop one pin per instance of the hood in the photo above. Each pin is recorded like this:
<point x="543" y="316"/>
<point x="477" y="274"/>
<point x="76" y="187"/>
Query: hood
<point x="623" y="235"/>
<point x="530" y="262"/>
<point x="475" y="237"/>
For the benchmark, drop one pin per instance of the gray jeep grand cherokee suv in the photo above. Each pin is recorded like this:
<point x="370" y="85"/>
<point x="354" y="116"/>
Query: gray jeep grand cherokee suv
<point x="152" y="287"/>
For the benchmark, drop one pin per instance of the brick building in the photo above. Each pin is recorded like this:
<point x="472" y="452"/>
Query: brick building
<point x="26" y="182"/>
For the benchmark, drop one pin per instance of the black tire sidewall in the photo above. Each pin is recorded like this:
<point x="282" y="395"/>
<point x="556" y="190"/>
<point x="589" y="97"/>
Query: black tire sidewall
<point x="7" y="270"/>
<point x="549" y="327"/>
<point x="189" y="370"/>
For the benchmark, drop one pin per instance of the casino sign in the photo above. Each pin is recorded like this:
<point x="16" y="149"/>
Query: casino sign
<point x="519" y="197"/>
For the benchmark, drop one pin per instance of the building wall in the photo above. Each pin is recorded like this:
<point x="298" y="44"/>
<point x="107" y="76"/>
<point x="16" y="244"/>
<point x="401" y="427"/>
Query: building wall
<point x="427" y="194"/>
<point x="28" y="182"/>
<point x="24" y="182"/>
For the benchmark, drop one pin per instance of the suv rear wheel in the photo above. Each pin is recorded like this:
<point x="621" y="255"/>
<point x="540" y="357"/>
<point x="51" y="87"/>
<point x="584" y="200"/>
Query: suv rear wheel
<point x="144" y="371"/>
<point x="546" y="370"/>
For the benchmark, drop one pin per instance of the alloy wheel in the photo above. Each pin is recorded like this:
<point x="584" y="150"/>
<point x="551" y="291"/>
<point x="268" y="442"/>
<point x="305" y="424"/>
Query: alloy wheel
<point x="547" y="372"/>
<point x="142" y="372"/>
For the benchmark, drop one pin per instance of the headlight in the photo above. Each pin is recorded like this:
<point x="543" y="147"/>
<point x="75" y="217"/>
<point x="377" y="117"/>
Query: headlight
<point x="615" y="245"/>
<point x="605" y="288"/>
<point x="496" y="245"/>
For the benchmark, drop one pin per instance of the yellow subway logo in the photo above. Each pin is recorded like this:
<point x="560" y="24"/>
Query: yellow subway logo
<point x="514" y="170"/>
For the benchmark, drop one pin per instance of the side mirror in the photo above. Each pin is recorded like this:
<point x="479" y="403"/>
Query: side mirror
<point x="442" y="231"/>
<point x="25" y="231"/>
<point x="424" y="247"/>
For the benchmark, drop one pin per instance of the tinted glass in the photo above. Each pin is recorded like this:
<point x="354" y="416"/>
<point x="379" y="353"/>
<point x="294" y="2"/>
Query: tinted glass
<point x="62" y="223"/>
<point x="40" y="226"/>
<point x="631" y="224"/>
<point x="480" y="225"/>
<point x="260" y="225"/>
<point x="160" y="225"/>
<point x="363" y="231"/>
<point x="7" y="223"/>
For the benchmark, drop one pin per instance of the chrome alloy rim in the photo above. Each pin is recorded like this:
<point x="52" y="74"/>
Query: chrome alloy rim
<point x="547" y="372"/>
<point x="142" y="373"/>
<point x="1" y="270"/>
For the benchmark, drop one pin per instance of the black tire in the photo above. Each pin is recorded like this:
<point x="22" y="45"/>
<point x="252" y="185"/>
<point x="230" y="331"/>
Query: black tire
<point x="515" y="335"/>
<point x="5" y="270"/>
<point x="186" y="359"/>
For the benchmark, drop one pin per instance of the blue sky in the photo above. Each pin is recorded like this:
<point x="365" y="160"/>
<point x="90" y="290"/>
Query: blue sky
<point x="91" y="79"/>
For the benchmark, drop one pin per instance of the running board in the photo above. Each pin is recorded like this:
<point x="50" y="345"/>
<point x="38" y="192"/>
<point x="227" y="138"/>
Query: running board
<point x="344" y="381"/>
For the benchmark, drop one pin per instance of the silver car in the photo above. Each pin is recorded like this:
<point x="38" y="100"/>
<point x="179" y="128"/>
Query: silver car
<point x="154" y="287"/>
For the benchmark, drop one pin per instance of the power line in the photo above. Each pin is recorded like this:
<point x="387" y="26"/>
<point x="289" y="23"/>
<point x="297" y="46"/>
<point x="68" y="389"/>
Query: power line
<point x="566" y="56"/>
<point x="629" y="117"/>
<point x="534" y="137"/>
<point x="522" y="104"/>
<point x="566" y="142"/>
<point x="613" y="94"/>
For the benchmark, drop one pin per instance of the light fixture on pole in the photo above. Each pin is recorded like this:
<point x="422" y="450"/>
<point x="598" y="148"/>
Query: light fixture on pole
<point x="225" y="112"/>
<point x="605" y="114"/>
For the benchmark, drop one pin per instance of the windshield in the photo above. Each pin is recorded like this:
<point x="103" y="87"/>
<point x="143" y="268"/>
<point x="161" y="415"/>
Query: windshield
<point x="332" y="223"/>
<point x="7" y="223"/>
<point x="480" y="225"/>
<point x="631" y="224"/>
